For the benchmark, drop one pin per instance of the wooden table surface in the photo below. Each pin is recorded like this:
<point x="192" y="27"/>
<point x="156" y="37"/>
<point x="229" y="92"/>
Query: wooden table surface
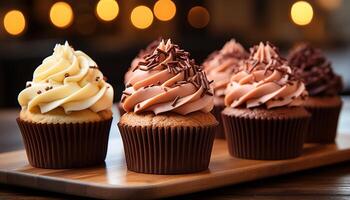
<point x="330" y="182"/>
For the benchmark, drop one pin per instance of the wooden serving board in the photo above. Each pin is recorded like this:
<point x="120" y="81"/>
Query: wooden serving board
<point x="114" y="181"/>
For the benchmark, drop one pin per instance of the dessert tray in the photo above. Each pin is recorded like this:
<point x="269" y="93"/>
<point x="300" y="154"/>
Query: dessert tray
<point x="113" y="181"/>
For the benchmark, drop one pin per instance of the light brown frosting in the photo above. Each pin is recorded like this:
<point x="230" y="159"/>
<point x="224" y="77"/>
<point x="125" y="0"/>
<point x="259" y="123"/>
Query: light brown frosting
<point x="221" y="65"/>
<point x="265" y="79"/>
<point x="168" y="81"/>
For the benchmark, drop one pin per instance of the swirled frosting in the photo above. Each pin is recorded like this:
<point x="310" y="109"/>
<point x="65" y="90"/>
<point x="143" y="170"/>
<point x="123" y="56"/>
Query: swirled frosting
<point x="315" y="70"/>
<point x="220" y="65"/>
<point x="67" y="79"/>
<point x="140" y="58"/>
<point x="265" y="79"/>
<point x="168" y="81"/>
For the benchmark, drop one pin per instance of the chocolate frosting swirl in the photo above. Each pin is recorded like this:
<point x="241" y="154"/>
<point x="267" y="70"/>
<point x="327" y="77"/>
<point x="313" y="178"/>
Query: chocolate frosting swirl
<point x="265" y="79"/>
<point x="315" y="70"/>
<point x="168" y="81"/>
<point x="220" y="65"/>
<point x="139" y="58"/>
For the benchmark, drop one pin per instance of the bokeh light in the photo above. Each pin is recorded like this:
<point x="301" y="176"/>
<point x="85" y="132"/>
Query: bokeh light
<point x="107" y="10"/>
<point x="330" y="4"/>
<point x="301" y="13"/>
<point x="14" y="22"/>
<point x="164" y="10"/>
<point x="198" y="17"/>
<point x="61" y="14"/>
<point x="141" y="17"/>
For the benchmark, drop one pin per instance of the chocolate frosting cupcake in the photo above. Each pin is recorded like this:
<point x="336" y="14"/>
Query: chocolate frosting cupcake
<point x="323" y="86"/>
<point x="263" y="118"/>
<point x="167" y="101"/>
<point x="315" y="70"/>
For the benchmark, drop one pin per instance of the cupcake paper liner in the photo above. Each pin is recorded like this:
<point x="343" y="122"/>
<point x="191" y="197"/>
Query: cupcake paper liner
<point x="58" y="146"/>
<point x="167" y="150"/>
<point x="323" y="124"/>
<point x="265" y="139"/>
<point x="219" y="131"/>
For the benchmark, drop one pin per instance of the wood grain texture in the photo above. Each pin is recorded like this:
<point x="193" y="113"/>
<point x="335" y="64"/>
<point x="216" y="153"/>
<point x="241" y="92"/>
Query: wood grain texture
<point x="114" y="181"/>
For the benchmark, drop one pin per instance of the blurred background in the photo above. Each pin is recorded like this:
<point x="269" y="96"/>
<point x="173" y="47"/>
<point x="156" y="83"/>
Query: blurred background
<point x="113" y="31"/>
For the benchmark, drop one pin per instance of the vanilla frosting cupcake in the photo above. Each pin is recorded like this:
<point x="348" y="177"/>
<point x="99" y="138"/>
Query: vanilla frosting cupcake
<point x="263" y="118"/>
<point x="168" y="101"/>
<point x="220" y="66"/>
<point x="68" y="98"/>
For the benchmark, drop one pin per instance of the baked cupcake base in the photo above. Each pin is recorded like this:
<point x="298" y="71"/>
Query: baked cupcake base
<point x="68" y="145"/>
<point x="324" y="120"/>
<point x="265" y="134"/>
<point x="162" y="144"/>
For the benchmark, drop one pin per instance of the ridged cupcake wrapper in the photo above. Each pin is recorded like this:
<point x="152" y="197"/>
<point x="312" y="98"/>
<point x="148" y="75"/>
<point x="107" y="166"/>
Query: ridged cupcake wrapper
<point x="323" y="124"/>
<point x="219" y="132"/>
<point x="265" y="139"/>
<point x="59" y="146"/>
<point x="167" y="150"/>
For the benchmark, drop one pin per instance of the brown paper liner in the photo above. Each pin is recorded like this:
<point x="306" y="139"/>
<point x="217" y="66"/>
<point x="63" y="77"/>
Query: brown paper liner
<point x="323" y="124"/>
<point x="219" y="132"/>
<point x="265" y="139"/>
<point x="58" y="146"/>
<point x="167" y="150"/>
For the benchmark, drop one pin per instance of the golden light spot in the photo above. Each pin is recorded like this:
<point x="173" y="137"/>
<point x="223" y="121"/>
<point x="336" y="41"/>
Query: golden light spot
<point x="61" y="14"/>
<point x="141" y="17"/>
<point x="107" y="10"/>
<point x="164" y="10"/>
<point x="14" y="22"/>
<point x="198" y="17"/>
<point x="301" y="13"/>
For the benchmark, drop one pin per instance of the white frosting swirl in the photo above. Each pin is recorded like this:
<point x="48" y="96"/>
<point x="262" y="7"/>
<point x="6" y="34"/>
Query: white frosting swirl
<point x="68" y="79"/>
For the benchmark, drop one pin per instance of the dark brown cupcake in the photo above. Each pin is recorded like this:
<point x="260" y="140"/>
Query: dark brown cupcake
<point x="58" y="146"/>
<point x="324" y="121"/>
<point x="167" y="143"/>
<point x="265" y="134"/>
<point x="323" y="86"/>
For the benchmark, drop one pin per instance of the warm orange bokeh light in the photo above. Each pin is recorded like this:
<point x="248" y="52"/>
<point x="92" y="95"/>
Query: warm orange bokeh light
<point x="164" y="10"/>
<point x="141" y="17"/>
<point x="61" y="14"/>
<point x="301" y="13"/>
<point x="14" y="22"/>
<point x="198" y="17"/>
<point x="107" y="10"/>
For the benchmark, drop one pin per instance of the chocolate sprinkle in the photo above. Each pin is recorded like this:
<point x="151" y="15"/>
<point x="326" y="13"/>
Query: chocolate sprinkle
<point x="66" y="75"/>
<point x="175" y="101"/>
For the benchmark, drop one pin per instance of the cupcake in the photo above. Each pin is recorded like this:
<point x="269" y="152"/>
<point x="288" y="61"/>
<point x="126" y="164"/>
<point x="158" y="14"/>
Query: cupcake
<point x="139" y="58"/>
<point x="263" y="118"/>
<point x="168" y="127"/>
<point x="66" y="111"/>
<point x="220" y="66"/>
<point x="323" y="86"/>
